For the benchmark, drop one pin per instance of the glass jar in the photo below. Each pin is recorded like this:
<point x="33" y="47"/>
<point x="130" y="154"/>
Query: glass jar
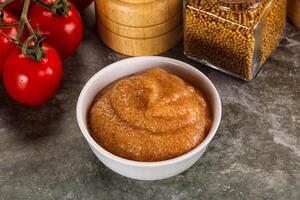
<point x="234" y="36"/>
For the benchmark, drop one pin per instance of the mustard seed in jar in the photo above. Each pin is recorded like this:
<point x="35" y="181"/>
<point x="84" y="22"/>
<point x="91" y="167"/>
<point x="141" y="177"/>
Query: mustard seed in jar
<point x="234" y="36"/>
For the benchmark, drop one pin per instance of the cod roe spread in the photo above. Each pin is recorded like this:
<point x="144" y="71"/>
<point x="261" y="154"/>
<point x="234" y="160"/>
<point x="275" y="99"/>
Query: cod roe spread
<point x="151" y="116"/>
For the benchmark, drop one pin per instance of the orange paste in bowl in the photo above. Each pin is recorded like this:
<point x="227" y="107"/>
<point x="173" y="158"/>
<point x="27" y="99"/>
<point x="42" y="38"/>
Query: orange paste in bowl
<point x="152" y="116"/>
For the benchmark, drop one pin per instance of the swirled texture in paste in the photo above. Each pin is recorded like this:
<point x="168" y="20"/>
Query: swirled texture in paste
<point x="152" y="116"/>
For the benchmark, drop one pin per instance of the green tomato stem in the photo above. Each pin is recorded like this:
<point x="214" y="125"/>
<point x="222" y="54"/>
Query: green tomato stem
<point x="23" y="19"/>
<point x="36" y="50"/>
<point x="29" y="26"/>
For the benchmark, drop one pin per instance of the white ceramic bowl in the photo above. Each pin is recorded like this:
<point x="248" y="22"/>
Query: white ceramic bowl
<point x="147" y="170"/>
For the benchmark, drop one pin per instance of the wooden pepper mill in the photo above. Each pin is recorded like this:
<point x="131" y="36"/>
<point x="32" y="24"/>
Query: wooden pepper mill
<point x="139" y="27"/>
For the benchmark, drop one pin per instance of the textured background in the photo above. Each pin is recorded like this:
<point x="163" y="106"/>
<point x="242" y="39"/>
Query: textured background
<point x="255" y="154"/>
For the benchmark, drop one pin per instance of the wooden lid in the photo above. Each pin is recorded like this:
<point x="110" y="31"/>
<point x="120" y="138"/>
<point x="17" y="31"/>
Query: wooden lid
<point x="139" y="15"/>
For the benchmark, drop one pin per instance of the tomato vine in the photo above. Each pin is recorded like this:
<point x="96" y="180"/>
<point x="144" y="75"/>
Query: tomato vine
<point x="32" y="46"/>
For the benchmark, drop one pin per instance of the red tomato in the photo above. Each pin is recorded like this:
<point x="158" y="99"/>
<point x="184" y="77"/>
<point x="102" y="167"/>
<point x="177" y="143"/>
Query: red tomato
<point x="62" y="32"/>
<point x="6" y="45"/>
<point x="82" y="4"/>
<point x="30" y="82"/>
<point x="15" y="7"/>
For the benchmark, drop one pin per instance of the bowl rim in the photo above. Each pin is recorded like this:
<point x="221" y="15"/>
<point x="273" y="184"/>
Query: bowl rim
<point x="215" y="122"/>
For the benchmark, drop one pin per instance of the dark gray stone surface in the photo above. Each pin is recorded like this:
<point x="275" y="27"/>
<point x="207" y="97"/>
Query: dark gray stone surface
<point x="255" y="154"/>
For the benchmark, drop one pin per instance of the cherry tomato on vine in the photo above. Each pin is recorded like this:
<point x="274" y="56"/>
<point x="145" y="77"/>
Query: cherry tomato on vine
<point x="82" y="4"/>
<point x="6" y="45"/>
<point x="32" y="82"/>
<point x="63" y="32"/>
